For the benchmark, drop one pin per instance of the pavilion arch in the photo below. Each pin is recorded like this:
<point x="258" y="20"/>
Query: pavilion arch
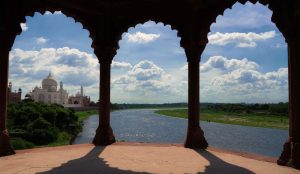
<point x="134" y="24"/>
<point x="287" y="154"/>
<point x="195" y="136"/>
<point x="74" y="16"/>
<point x="271" y="5"/>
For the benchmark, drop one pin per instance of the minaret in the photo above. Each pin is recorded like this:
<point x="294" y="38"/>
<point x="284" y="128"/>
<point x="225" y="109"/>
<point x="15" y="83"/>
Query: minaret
<point x="61" y="85"/>
<point x="9" y="87"/>
<point x="61" y="93"/>
<point x="81" y="95"/>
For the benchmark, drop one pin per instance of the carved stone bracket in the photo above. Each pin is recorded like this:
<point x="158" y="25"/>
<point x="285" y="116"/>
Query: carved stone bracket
<point x="193" y="50"/>
<point x="105" y="55"/>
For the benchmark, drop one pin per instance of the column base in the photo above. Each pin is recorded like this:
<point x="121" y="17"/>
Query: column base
<point x="295" y="161"/>
<point x="290" y="155"/>
<point x="104" y="137"/>
<point x="195" y="139"/>
<point x="5" y="146"/>
<point x="285" y="156"/>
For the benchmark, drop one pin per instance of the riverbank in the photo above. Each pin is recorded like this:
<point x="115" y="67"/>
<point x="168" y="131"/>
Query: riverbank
<point x="82" y="115"/>
<point x="245" y="119"/>
<point x="63" y="137"/>
<point x="136" y="158"/>
<point x="67" y="139"/>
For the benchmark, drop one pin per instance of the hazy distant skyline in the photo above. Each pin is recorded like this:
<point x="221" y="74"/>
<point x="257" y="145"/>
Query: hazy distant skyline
<point x="245" y="60"/>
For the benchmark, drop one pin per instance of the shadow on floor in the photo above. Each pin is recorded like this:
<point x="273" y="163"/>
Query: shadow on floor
<point x="89" y="164"/>
<point x="217" y="165"/>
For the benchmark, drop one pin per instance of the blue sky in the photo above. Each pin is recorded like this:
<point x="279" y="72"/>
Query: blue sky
<point x="245" y="60"/>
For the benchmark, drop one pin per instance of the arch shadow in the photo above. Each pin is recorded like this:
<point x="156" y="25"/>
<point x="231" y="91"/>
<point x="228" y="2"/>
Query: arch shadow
<point x="218" y="165"/>
<point x="89" y="164"/>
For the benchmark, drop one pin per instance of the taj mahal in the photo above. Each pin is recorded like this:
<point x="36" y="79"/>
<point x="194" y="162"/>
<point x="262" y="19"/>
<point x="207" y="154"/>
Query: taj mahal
<point x="50" y="94"/>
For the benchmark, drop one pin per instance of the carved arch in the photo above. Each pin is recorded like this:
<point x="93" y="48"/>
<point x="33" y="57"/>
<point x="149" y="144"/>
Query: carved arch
<point x="134" y="24"/>
<point x="78" y="18"/>
<point x="275" y="7"/>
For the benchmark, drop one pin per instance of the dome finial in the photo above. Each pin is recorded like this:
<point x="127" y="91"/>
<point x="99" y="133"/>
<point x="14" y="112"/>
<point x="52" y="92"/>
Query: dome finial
<point x="50" y="75"/>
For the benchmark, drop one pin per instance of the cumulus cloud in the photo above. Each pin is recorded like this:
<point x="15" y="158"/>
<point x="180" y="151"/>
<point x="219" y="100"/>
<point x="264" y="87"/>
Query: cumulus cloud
<point x="240" y="80"/>
<point x="240" y="39"/>
<point x="222" y="79"/>
<point x="146" y="70"/>
<point x="24" y="26"/>
<point x="71" y="66"/>
<point x="246" y="16"/>
<point x="223" y="63"/>
<point x="140" y="37"/>
<point x="41" y="40"/>
<point x="144" y="76"/>
<point x="55" y="13"/>
<point x="121" y="65"/>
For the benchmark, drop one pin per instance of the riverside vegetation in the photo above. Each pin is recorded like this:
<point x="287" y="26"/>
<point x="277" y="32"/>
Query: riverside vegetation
<point x="257" y="115"/>
<point x="34" y="124"/>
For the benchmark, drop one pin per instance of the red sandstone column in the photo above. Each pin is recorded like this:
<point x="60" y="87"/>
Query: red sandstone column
<point x="104" y="134"/>
<point x="5" y="146"/>
<point x="291" y="152"/>
<point x="195" y="136"/>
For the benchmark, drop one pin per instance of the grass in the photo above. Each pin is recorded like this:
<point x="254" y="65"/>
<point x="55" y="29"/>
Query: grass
<point x="63" y="139"/>
<point x="82" y="115"/>
<point x="244" y="119"/>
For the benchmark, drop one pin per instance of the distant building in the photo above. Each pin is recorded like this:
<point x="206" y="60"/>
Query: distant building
<point x="79" y="99"/>
<point x="49" y="93"/>
<point x="14" y="96"/>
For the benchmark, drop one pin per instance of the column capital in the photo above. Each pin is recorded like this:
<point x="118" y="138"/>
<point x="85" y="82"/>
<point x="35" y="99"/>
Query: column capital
<point x="194" y="49"/>
<point x="105" y="55"/>
<point x="7" y="38"/>
<point x="293" y="39"/>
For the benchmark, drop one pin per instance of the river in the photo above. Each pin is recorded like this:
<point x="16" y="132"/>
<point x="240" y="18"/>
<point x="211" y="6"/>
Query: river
<point x="143" y="125"/>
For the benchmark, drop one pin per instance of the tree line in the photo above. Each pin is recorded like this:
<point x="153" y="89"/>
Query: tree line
<point x="33" y="124"/>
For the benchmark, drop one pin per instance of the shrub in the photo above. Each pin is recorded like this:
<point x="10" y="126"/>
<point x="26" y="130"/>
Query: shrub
<point x="19" y="143"/>
<point x="40" y="132"/>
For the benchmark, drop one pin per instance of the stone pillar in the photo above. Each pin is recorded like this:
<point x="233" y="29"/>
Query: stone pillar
<point x="291" y="152"/>
<point x="5" y="146"/>
<point x="195" y="136"/>
<point x="104" y="133"/>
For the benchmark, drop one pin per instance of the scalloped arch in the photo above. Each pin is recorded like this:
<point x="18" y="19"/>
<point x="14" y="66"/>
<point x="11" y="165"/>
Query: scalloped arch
<point x="134" y="24"/>
<point x="229" y="5"/>
<point x="68" y="14"/>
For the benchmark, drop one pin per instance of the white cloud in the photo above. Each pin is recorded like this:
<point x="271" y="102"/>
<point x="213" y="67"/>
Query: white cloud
<point x="145" y="83"/>
<point x="41" y="40"/>
<point x="121" y="65"/>
<point x="239" y="39"/>
<point x="240" y="80"/>
<point x="72" y="66"/>
<point x="223" y="63"/>
<point x="140" y="37"/>
<point x="246" y="15"/>
<point x="55" y="13"/>
<point x="24" y="26"/>
<point x="222" y="79"/>
<point x="279" y="45"/>
<point x="146" y="70"/>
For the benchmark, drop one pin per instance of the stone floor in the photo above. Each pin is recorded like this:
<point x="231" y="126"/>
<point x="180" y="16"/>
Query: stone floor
<point x="136" y="158"/>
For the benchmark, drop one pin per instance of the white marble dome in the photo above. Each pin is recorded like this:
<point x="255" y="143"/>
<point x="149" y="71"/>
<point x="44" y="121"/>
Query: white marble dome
<point x="49" y="84"/>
